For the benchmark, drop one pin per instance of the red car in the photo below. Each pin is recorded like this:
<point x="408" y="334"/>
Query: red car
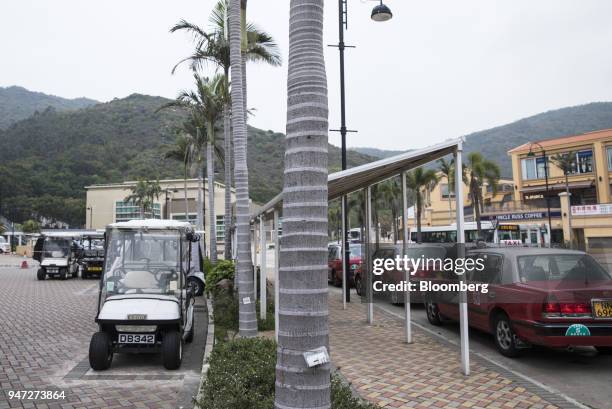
<point x="334" y="264"/>
<point x="550" y="297"/>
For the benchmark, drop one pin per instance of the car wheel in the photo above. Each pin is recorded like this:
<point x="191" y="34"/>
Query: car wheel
<point x="100" y="351"/>
<point x="604" y="350"/>
<point x="172" y="350"/>
<point x="433" y="313"/>
<point x="198" y="288"/>
<point x="505" y="339"/>
<point x="358" y="287"/>
<point x="40" y="274"/>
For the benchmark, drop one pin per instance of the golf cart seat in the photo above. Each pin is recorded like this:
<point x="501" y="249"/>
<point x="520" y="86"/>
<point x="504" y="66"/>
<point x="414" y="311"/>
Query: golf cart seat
<point x="139" y="280"/>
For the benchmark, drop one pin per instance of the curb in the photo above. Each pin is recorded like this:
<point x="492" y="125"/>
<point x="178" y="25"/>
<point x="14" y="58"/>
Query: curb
<point x="210" y="343"/>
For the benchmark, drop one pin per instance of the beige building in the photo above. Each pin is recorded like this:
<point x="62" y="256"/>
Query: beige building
<point x="106" y="204"/>
<point x="590" y="200"/>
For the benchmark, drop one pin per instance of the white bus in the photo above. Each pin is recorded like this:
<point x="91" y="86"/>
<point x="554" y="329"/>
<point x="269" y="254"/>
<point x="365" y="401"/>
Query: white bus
<point x="448" y="234"/>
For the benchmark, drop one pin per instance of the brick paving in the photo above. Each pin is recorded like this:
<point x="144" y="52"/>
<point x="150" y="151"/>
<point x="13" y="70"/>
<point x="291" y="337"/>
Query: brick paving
<point x="45" y="329"/>
<point x="426" y="374"/>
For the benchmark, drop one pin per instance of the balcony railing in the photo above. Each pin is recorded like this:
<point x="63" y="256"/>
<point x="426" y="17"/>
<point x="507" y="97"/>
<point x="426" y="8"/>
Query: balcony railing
<point x="514" y="206"/>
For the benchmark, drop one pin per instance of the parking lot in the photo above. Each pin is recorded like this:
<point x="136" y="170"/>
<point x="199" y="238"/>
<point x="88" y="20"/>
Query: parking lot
<point x="45" y="329"/>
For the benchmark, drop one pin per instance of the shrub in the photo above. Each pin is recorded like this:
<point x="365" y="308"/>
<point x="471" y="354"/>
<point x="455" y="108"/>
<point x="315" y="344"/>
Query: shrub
<point x="342" y="396"/>
<point x="223" y="270"/>
<point x="225" y="314"/>
<point x="241" y="375"/>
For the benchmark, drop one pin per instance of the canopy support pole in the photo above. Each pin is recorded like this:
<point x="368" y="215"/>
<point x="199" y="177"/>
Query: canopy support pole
<point x="463" y="312"/>
<point x="263" y="271"/>
<point x="344" y="252"/>
<point x="407" y="311"/>
<point x="276" y="273"/>
<point x="369" y="250"/>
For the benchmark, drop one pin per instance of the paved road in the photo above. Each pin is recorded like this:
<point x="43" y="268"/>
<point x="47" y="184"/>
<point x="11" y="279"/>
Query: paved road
<point x="45" y="328"/>
<point x="582" y="375"/>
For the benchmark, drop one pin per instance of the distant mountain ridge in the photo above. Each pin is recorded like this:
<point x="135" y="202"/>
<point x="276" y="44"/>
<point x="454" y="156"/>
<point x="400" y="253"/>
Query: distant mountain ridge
<point x="17" y="103"/>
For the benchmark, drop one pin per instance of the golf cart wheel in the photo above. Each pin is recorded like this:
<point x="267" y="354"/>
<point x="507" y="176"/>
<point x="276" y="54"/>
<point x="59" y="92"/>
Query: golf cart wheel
<point x="198" y="288"/>
<point x="604" y="350"/>
<point x="40" y="274"/>
<point x="189" y="337"/>
<point x="358" y="285"/>
<point x="172" y="350"/>
<point x="84" y="274"/>
<point x="433" y="313"/>
<point x="505" y="338"/>
<point x="100" y="351"/>
<point x="75" y="274"/>
<point x="63" y="274"/>
<point x="337" y="281"/>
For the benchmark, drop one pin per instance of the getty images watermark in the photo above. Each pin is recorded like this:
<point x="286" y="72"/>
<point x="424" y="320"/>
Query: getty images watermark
<point x="383" y="270"/>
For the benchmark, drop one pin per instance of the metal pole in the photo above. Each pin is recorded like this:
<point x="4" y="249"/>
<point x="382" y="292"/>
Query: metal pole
<point x="547" y="197"/>
<point x="346" y="290"/>
<point x="369" y="250"/>
<point x="407" y="306"/>
<point x="255" y="237"/>
<point x="263" y="273"/>
<point x="463" y="313"/>
<point x="276" y="273"/>
<point x="344" y="263"/>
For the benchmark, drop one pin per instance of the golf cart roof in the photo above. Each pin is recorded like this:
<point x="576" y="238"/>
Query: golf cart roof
<point x="152" y="224"/>
<point x="62" y="234"/>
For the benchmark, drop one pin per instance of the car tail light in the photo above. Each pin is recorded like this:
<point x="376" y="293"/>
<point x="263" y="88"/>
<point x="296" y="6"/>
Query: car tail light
<point x="552" y="309"/>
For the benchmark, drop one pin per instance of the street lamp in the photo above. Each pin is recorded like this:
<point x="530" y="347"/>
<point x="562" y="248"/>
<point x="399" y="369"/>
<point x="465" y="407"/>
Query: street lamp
<point x="531" y="154"/>
<point x="380" y="13"/>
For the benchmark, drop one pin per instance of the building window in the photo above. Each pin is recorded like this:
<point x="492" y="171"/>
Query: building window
<point x="610" y="158"/>
<point x="584" y="162"/>
<point x="533" y="168"/>
<point x="191" y="217"/>
<point x="444" y="191"/>
<point x="126" y="211"/>
<point x="220" y="229"/>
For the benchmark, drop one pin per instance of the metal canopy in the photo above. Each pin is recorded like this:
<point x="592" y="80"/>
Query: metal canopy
<point x="351" y="180"/>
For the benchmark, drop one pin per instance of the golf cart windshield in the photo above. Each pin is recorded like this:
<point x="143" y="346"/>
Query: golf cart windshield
<point x="143" y="262"/>
<point x="56" y="247"/>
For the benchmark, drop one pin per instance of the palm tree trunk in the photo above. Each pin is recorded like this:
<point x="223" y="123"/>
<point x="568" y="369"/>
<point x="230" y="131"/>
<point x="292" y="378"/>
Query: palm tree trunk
<point x="212" y="218"/>
<point x="185" y="188"/>
<point x="303" y="263"/>
<point x="227" y="219"/>
<point x="476" y="199"/>
<point x="244" y="45"/>
<point x="418" y="216"/>
<point x="247" y="321"/>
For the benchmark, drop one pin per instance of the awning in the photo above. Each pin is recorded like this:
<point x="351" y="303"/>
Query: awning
<point x="558" y="186"/>
<point x="351" y="180"/>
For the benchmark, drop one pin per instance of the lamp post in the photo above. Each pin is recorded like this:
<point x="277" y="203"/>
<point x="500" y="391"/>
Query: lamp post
<point x="380" y="13"/>
<point x="531" y="154"/>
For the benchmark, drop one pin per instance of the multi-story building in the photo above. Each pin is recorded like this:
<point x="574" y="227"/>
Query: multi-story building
<point x="107" y="204"/>
<point x="586" y="215"/>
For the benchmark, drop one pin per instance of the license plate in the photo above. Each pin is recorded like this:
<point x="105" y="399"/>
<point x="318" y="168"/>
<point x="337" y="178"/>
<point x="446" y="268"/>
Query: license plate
<point x="94" y="268"/>
<point x="602" y="308"/>
<point x="136" y="338"/>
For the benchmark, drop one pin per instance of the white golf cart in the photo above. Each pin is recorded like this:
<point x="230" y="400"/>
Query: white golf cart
<point x="57" y="253"/>
<point x="144" y="304"/>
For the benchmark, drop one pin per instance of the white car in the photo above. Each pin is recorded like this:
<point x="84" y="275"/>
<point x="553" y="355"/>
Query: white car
<point x="5" y="246"/>
<point x="145" y="305"/>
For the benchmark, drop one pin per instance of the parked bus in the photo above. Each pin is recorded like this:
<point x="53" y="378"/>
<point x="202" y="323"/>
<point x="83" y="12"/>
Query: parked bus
<point x="448" y="234"/>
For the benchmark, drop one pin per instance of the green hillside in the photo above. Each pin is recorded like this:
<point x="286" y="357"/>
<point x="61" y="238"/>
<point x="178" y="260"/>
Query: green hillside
<point x="17" y="103"/>
<point x="48" y="158"/>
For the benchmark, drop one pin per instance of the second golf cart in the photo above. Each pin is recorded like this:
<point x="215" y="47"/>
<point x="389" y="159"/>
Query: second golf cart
<point x="57" y="253"/>
<point x="144" y="303"/>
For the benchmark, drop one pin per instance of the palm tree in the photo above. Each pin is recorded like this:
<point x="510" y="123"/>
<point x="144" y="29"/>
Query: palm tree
<point x="447" y="170"/>
<point x="480" y="172"/>
<point x="244" y="268"/>
<point x="143" y="195"/>
<point x="206" y="108"/>
<point x="214" y="48"/>
<point x="390" y="195"/>
<point x="181" y="151"/>
<point x="418" y="180"/>
<point x="303" y="263"/>
<point x="566" y="162"/>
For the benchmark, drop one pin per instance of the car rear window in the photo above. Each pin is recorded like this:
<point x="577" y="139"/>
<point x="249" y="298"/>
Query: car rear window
<point x="558" y="267"/>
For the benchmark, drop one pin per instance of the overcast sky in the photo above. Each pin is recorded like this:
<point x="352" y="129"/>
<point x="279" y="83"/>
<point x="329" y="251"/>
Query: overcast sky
<point x="438" y="69"/>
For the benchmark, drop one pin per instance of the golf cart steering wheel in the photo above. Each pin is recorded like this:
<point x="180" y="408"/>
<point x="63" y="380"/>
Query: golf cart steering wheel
<point x="118" y="274"/>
